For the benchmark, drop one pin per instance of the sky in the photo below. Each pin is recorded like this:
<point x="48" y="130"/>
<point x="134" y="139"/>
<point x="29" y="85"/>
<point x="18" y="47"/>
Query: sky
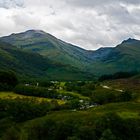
<point x="90" y="24"/>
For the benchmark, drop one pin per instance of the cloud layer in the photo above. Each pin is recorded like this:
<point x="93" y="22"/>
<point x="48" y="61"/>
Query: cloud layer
<point x="90" y="24"/>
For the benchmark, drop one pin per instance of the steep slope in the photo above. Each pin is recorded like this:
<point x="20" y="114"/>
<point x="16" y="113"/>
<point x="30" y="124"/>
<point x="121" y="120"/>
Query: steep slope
<point x="124" y="57"/>
<point x="49" y="46"/>
<point x="99" y="54"/>
<point x="28" y="64"/>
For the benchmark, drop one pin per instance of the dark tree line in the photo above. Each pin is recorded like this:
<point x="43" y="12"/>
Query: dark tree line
<point x="42" y="92"/>
<point x="117" y="75"/>
<point x="83" y="88"/>
<point x="104" y="97"/>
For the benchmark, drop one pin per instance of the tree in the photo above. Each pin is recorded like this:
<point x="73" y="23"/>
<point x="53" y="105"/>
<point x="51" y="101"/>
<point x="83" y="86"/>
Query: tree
<point x="8" y="80"/>
<point x="11" y="134"/>
<point x="126" y="96"/>
<point x="109" y="121"/>
<point x="73" y="104"/>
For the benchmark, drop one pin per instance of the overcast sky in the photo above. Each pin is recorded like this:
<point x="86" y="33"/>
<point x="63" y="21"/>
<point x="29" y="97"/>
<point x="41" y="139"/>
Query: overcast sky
<point x="87" y="23"/>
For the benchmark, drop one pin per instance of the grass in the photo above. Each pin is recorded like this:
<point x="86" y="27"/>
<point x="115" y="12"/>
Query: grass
<point x="12" y="95"/>
<point x="124" y="109"/>
<point x="75" y="94"/>
<point x="129" y="114"/>
<point x="127" y="110"/>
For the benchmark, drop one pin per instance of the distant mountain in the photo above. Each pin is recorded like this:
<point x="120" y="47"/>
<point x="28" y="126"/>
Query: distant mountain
<point x="123" y="57"/>
<point x="32" y="65"/>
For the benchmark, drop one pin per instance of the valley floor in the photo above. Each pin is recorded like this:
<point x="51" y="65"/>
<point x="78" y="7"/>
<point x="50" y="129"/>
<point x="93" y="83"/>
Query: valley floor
<point x="107" y="120"/>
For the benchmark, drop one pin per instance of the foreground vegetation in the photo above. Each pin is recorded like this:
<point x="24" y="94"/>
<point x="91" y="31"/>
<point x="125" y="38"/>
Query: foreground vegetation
<point x="82" y="110"/>
<point x="98" y="123"/>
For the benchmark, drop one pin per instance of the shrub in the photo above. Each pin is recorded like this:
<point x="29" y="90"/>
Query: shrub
<point x="24" y="109"/>
<point x="8" y="80"/>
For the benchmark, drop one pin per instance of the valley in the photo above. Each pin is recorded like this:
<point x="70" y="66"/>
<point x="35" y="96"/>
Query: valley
<point x="53" y="90"/>
<point x="76" y="108"/>
<point x="69" y="70"/>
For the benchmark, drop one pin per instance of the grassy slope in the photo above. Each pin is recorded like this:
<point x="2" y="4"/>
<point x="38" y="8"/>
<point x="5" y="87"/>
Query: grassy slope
<point x="124" y="57"/>
<point x="13" y="95"/>
<point x="27" y="64"/>
<point x="49" y="46"/>
<point x="87" y="118"/>
<point x="124" y="110"/>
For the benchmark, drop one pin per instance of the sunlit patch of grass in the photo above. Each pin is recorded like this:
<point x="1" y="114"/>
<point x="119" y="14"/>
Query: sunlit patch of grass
<point x="125" y="109"/>
<point x="128" y="114"/>
<point x="12" y="95"/>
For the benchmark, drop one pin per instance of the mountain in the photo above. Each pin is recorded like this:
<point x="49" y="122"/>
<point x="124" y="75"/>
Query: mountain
<point x="123" y="57"/>
<point x="106" y="60"/>
<point x="32" y="65"/>
<point x="99" y="54"/>
<point x="49" y="46"/>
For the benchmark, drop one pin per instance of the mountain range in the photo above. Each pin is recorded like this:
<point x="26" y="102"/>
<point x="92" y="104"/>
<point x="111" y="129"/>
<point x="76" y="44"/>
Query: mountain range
<point x="35" y="53"/>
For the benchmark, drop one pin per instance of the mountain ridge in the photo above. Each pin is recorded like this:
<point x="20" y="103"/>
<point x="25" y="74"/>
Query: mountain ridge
<point x="123" y="57"/>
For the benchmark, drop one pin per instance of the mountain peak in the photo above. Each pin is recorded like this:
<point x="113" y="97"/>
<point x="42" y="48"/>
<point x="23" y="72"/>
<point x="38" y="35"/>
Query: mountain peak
<point x="31" y="34"/>
<point x="36" y="31"/>
<point x="130" y="40"/>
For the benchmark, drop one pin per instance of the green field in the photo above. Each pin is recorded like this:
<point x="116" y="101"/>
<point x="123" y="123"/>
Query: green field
<point x="12" y="95"/>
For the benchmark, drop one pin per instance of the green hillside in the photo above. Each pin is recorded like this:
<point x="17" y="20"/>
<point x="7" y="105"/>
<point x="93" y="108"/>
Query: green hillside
<point x="124" y="57"/>
<point x="32" y="65"/>
<point x="50" y="47"/>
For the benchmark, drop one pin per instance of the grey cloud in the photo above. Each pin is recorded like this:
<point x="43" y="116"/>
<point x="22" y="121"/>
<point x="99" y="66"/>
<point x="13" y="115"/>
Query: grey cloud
<point x="28" y="20"/>
<point x="87" y="23"/>
<point x="93" y="3"/>
<point x="11" y="3"/>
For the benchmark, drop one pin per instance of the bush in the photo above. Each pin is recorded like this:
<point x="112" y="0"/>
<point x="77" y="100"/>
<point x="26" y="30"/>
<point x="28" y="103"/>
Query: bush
<point x="84" y="88"/>
<point x="8" y="80"/>
<point x="43" y="92"/>
<point x="24" y="109"/>
<point x="107" y="135"/>
<point x="12" y="134"/>
<point x="126" y="96"/>
<point x="103" y="96"/>
<point x="36" y="91"/>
